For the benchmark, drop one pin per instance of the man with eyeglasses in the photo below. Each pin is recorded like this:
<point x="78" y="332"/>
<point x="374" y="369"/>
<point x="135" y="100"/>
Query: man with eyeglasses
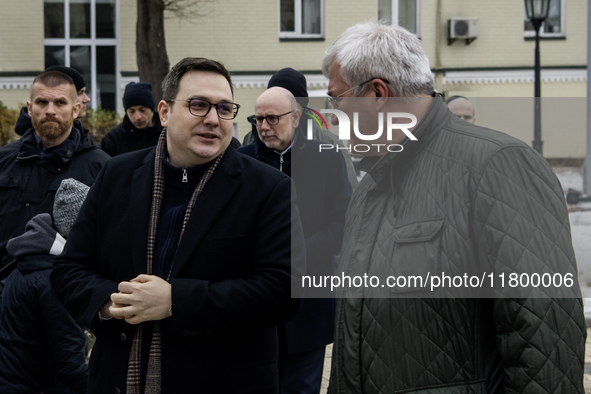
<point x="436" y="226"/>
<point x="296" y="83"/>
<point x="183" y="257"/>
<point x="323" y="191"/>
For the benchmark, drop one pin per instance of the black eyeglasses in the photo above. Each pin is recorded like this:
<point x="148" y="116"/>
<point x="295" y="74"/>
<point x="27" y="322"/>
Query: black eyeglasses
<point x="200" y="107"/>
<point x="271" y="119"/>
<point x="334" y="101"/>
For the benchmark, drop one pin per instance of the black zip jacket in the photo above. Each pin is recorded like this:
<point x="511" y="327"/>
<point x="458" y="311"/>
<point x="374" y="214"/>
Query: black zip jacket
<point x="28" y="182"/>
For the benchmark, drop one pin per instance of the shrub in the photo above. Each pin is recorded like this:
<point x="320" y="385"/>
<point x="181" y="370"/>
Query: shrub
<point x="99" y="121"/>
<point x="8" y="118"/>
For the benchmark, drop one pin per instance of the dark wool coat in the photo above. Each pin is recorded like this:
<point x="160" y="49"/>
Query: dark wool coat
<point x="324" y="191"/>
<point x="126" y="138"/>
<point x="230" y="278"/>
<point x="40" y="343"/>
<point x="28" y="182"/>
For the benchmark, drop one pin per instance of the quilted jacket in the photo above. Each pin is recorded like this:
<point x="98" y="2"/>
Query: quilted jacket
<point x="461" y="199"/>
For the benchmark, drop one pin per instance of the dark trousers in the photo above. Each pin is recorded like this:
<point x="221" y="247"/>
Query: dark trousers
<point x="301" y="373"/>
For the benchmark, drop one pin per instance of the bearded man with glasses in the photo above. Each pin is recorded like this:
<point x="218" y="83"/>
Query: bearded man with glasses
<point x="184" y="256"/>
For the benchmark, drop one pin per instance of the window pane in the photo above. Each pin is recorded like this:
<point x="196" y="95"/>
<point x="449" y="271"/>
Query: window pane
<point x="105" y="77"/>
<point x="80" y="61"/>
<point x="287" y="15"/>
<point x="552" y="23"/>
<point x="79" y="18"/>
<point x="311" y="17"/>
<point x="105" y="19"/>
<point x="385" y="11"/>
<point x="53" y="12"/>
<point x="407" y="14"/>
<point x="55" y="56"/>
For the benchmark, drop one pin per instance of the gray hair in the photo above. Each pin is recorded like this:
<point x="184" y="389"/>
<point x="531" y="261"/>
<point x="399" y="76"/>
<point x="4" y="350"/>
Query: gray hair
<point x="377" y="50"/>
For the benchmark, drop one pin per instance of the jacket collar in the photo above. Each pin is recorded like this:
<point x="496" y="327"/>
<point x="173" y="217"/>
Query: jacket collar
<point x="211" y="203"/>
<point x="395" y="164"/>
<point x="78" y="141"/>
<point x="156" y="128"/>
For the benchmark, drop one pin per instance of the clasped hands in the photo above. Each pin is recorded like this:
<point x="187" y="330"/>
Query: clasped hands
<point x="144" y="298"/>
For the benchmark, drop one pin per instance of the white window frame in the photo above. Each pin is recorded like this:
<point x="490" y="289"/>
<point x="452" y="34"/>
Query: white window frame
<point x="91" y="42"/>
<point x="531" y="33"/>
<point x="298" y="22"/>
<point x="394" y="16"/>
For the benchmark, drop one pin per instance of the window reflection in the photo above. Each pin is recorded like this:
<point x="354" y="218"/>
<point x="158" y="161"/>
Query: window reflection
<point x="105" y="77"/>
<point x="552" y="25"/>
<point x="53" y="12"/>
<point x="79" y="18"/>
<point x="80" y="61"/>
<point x="287" y="15"/>
<point x="54" y="55"/>
<point x="311" y="17"/>
<point x="105" y="19"/>
<point x="407" y="11"/>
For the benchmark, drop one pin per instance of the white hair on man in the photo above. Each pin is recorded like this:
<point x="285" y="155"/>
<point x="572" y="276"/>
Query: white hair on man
<point x="377" y="50"/>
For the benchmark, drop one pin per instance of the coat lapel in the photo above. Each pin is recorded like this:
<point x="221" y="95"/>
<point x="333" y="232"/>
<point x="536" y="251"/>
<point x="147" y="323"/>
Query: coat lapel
<point x="211" y="203"/>
<point x="139" y="212"/>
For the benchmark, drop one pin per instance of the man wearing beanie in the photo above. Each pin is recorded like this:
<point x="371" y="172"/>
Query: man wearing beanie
<point x="41" y="346"/>
<point x="141" y="125"/>
<point x="24" y="120"/>
<point x="53" y="148"/>
<point x="296" y="83"/>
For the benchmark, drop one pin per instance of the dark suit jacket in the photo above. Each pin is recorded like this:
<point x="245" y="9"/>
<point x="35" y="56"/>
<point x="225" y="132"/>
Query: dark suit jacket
<point x="230" y="281"/>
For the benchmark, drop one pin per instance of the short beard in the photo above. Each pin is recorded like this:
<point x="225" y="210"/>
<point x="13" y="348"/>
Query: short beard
<point x="50" y="130"/>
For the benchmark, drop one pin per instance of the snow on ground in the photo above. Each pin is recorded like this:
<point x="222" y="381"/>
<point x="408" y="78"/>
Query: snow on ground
<point x="580" y="221"/>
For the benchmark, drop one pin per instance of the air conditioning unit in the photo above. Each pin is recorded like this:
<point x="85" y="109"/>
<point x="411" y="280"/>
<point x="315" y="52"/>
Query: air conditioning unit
<point x="462" y="28"/>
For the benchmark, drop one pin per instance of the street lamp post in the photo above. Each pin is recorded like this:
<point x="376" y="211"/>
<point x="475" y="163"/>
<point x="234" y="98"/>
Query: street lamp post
<point x="537" y="12"/>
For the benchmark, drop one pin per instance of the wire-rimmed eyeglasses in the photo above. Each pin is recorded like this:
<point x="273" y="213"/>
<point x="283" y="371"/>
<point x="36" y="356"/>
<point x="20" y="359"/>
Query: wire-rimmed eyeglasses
<point x="334" y="101"/>
<point x="271" y="119"/>
<point x="199" y="107"/>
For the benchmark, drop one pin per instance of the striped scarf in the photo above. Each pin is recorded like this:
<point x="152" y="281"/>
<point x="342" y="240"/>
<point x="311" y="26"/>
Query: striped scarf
<point x="153" y="377"/>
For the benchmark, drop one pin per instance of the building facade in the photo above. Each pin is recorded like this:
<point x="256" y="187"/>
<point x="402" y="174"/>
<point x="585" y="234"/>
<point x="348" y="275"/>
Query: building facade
<point x="493" y="66"/>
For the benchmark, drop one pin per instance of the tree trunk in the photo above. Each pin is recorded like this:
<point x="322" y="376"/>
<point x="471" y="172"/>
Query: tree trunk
<point x="152" y="58"/>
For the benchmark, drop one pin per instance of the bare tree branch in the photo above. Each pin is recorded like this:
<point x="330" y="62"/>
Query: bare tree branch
<point x="189" y="9"/>
<point x="152" y="56"/>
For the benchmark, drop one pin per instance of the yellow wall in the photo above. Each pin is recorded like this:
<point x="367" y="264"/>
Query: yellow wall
<point x="128" y="19"/>
<point x="244" y="35"/>
<point x="246" y="97"/>
<point x="500" y="41"/>
<point x="21" y="36"/>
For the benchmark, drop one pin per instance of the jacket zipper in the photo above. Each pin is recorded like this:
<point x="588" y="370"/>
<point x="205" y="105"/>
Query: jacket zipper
<point x="185" y="177"/>
<point x="281" y="162"/>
